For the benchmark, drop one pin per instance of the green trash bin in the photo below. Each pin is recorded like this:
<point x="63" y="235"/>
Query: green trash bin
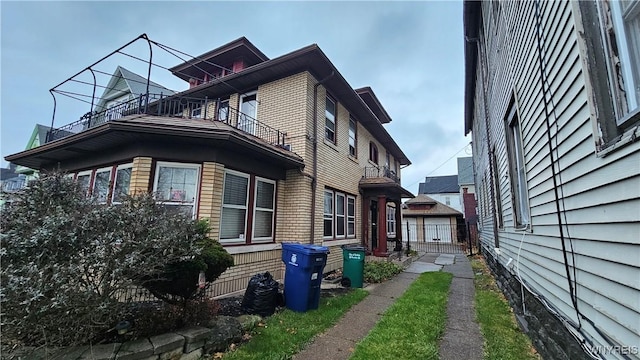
<point x="352" y="266"/>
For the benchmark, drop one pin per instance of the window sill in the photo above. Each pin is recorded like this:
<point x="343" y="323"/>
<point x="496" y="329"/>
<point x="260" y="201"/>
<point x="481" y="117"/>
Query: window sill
<point x="354" y="159"/>
<point x="242" y="249"/>
<point x="374" y="164"/>
<point x="340" y="242"/>
<point x="628" y="137"/>
<point x="330" y="144"/>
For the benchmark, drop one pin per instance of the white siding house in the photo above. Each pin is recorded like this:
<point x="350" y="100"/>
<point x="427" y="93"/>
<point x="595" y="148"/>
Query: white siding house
<point x="552" y="99"/>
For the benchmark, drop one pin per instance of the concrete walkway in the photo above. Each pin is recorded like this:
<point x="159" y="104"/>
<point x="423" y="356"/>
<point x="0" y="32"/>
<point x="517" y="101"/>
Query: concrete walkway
<point x="462" y="339"/>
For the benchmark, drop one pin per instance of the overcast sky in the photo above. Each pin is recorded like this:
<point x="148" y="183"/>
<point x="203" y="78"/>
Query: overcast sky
<point x="410" y="53"/>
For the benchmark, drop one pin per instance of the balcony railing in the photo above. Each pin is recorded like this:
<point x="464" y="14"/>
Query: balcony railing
<point x="372" y="172"/>
<point x="175" y="106"/>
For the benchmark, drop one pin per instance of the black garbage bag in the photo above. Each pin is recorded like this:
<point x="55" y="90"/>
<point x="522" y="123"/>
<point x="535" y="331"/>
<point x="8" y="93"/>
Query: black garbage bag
<point x="261" y="296"/>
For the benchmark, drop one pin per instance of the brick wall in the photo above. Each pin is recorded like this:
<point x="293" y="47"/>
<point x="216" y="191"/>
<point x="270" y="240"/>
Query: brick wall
<point x="140" y="175"/>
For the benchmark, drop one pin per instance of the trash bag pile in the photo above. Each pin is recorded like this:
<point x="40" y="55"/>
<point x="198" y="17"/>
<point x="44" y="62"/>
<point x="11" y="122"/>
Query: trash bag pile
<point x="261" y="296"/>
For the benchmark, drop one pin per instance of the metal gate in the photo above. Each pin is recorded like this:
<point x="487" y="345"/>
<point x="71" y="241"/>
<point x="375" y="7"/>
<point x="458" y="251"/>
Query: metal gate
<point x="436" y="238"/>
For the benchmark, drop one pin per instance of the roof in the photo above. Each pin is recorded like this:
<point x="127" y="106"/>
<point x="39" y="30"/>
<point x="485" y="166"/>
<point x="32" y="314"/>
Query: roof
<point x="439" y="185"/>
<point x="136" y="129"/>
<point x="136" y="85"/>
<point x="465" y="171"/>
<point x="370" y="98"/>
<point x="437" y="208"/>
<point x="214" y="59"/>
<point x="312" y="59"/>
<point x="471" y="18"/>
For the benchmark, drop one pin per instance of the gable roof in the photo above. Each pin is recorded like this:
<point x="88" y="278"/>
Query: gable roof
<point x="136" y="85"/>
<point x="465" y="171"/>
<point x="437" y="208"/>
<point x="439" y="185"/>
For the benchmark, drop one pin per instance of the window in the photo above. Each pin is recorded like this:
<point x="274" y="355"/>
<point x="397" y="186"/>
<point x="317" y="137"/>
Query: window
<point x="353" y="141"/>
<point x="248" y="113"/>
<point x="391" y="221"/>
<point x="239" y="210"/>
<point x="176" y="185"/>
<point x="351" y="216"/>
<point x="84" y="179"/>
<point x="100" y="189"/>
<point x="496" y="189"/>
<point x="621" y="32"/>
<point x="330" y="120"/>
<point x="223" y="110"/>
<point x="196" y="112"/>
<point x="121" y="183"/>
<point x="233" y="220"/>
<point x="517" y="171"/>
<point x="339" y="215"/>
<point x="328" y="214"/>
<point x="265" y="191"/>
<point x="373" y="153"/>
<point x="447" y="200"/>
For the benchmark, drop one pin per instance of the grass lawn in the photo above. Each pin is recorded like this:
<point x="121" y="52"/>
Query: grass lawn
<point x="412" y="327"/>
<point x="284" y="334"/>
<point x="503" y="338"/>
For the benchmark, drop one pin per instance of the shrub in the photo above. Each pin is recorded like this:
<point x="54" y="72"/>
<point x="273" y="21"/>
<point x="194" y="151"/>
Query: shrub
<point x="379" y="271"/>
<point x="65" y="258"/>
<point x="178" y="283"/>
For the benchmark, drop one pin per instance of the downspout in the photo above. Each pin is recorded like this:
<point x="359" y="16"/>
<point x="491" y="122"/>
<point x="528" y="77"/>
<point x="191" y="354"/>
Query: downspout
<point x="314" y="181"/>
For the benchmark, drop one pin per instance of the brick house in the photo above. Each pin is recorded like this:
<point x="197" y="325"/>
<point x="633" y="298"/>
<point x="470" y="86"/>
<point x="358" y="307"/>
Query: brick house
<point x="269" y="150"/>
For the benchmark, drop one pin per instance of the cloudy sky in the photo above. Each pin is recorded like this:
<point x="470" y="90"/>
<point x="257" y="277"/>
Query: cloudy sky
<point x="410" y="53"/>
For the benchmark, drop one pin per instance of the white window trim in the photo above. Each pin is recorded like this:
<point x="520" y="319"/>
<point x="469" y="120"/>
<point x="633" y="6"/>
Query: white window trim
<point x="351" y="218"/>
<point x="335" y="115"/>
<point x="115" y="181"/>
<point x="354" y="137"/>
<point x="93" y="186"/>
<point x="328" y="216"/>
<point x="344" y="215"/>
<point x="391" y="219"/>
<point x="85" y="173"/>
<point x="198" y="167"/>
<point x="255" y="208"/>
<point x="239" y="240"/>
<point x="248" y="124"/>
<point x="522" y="200"/>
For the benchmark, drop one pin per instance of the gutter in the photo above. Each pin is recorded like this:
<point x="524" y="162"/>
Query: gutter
<point x="314" y="179"/>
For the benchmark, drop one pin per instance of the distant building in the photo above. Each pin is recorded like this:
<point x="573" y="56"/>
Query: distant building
<point x="444" y="189"/>
<point x="467" y="189"/>
<point x="427" y="220"/>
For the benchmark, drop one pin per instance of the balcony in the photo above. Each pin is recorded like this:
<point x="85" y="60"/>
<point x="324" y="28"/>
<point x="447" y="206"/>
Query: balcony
<point x="380" y="174"/>
<point x="174" y="106"/>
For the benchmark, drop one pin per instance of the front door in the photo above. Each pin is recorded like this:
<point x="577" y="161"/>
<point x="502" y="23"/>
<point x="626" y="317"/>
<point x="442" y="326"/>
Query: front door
<point x="248" y="113"/>
<point x="374" y="225"/>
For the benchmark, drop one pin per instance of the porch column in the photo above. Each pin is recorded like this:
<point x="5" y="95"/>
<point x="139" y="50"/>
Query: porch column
<point x="382" y="225"/>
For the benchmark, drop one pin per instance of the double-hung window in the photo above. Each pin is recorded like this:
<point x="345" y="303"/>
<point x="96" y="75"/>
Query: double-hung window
<point x="353" y="140"/>
<point x="248" y="209"/>
<point x="330" y="120"/>
<point x="176" y="185"/>
<point x="84" y="180"/>
<point x="517" y="171"/>
<point x="235" y="202"/>
<point x="223" y="110"/>
<point x="373" y="153"/>
<point x="101" y="182"/>
<point x="391" y="221"/>
<point x="339" y="215"/>
<point x="265" y="192"/>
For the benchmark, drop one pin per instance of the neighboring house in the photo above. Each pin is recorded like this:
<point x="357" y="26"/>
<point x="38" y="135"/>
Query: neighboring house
<point x="443" y="189"/>
<point x="269" y="150"/>
<point x="467" y="189"/>
<point x="38" y="137"/>
<point x="10" y="181"/>
<point x="552" y="102"/>
<point x="427" y="220"/>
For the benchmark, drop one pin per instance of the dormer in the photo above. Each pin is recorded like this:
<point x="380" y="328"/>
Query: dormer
<point x="369" y="97"/>
<point x="230" y="58"/>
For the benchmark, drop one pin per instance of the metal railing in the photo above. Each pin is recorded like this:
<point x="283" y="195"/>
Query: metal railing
<point x="441" y="238"/>
<point x="371" y="172"/>
<point x="11" y="185"/>
<point x="175" y="106"/>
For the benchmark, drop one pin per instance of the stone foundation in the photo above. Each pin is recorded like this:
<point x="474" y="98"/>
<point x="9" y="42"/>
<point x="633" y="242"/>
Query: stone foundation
<point x="547" y="333"/>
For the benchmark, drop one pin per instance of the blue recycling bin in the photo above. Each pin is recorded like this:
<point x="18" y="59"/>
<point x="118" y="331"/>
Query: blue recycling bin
<point x="303" y="275"/>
